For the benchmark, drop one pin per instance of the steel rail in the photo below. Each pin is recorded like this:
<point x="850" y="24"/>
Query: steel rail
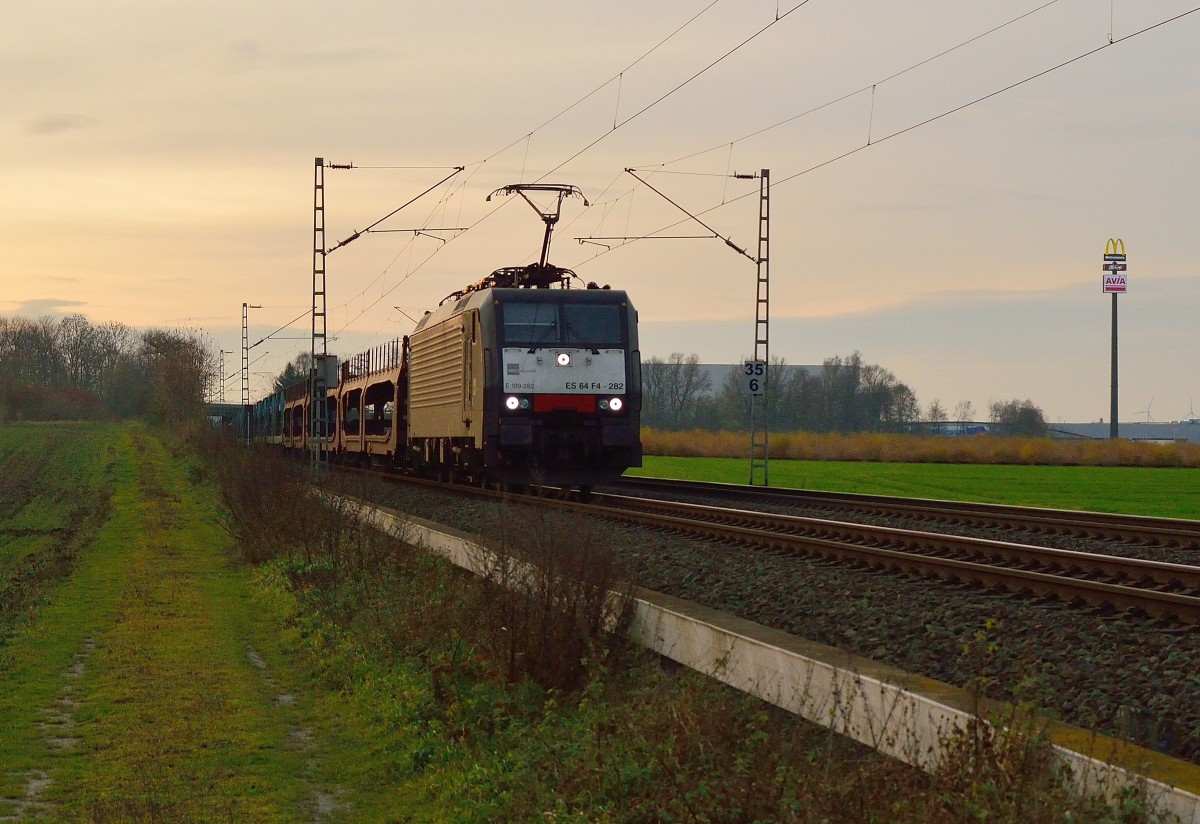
<point x="1097" y="525"/>
<point x="1154" y="602"/>
<point x="908" y="550"/>
<point x="1182" y="576"/>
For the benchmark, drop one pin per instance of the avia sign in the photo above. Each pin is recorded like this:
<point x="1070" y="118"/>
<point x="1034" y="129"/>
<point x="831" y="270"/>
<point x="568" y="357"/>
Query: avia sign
<point x="1114" y="267"/>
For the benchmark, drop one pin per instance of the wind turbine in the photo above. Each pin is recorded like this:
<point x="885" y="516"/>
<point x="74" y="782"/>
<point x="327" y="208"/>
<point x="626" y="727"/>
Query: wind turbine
<point x="1146" y="411"/>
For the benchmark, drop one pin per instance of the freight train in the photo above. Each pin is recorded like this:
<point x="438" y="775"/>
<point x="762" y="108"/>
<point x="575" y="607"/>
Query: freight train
<point x="516" y="380"/>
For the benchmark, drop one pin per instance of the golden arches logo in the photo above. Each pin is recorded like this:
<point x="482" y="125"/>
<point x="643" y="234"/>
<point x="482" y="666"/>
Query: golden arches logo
<point x="1115" y="246"/>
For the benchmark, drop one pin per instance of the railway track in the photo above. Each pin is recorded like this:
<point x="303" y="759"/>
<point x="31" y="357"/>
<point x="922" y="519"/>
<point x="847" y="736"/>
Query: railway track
<point x="1161" y="590"/>
<point x="758" y="660"/>
<point x="1147" y="531"/>
<point x="1115" y="670"/>
<point x="1154" y="588"/>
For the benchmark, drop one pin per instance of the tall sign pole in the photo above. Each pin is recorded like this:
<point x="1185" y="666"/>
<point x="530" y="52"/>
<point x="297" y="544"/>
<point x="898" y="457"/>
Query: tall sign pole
<point x="1115" y="283"/>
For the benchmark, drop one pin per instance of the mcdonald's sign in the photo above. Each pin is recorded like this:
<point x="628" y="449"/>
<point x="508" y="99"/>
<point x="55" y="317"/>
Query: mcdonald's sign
<point x="1114" y="249"/>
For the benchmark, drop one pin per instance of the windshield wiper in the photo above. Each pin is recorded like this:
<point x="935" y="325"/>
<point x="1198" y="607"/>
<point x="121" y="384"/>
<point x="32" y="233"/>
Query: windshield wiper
<point x="553" y="327"/>
<point x="572" y="331"/>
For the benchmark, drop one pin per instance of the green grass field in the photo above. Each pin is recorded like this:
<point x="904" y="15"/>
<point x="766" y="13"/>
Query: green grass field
<point x="1165" y="492"/>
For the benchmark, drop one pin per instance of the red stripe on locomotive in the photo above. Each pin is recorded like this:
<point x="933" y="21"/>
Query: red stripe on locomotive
<point x="564" y="403"/>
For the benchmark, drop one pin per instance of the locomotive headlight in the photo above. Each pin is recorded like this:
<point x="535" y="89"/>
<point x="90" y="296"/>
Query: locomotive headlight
<point x="563" y="358"/>
<point x="614" y="404"/>
<point x="513" y="403"/>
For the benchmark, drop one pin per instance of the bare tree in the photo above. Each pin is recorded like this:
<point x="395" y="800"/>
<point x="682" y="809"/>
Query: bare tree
<point x="1018" y="417"/>
<point x="902" y="408"/>
<point x="847" y="395"/>
<point x="671" y="389"/>
<point x="964" y="413"/>
<point x="839" y="389"/>
<point x="298" y="370"/>
<point x="653" y="396"/>
<point x="784" y="400"/>
<point x="177" y="368"/>
<point x="733" y="400"/>
<point x="68" y="368"/>
<point x="37" y="357"/>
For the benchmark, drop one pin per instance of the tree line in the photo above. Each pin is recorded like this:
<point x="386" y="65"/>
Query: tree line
<point x="844" y="395"/>
<point x="70" y="368"/>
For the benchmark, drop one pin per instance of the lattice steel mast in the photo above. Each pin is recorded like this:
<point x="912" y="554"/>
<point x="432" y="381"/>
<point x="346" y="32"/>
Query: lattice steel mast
<point x="319" y="350"/>
<point x="246" y="371"/>
<point x="760" y="411"/>
<point x="759" y="418"/>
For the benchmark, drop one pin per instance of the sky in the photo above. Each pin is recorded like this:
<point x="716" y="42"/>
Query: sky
<point x="945" y="176"/>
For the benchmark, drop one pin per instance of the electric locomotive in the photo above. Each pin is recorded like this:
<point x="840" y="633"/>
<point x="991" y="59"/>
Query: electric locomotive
<point x="516" y="382"/>
<point x="517" y="379"/>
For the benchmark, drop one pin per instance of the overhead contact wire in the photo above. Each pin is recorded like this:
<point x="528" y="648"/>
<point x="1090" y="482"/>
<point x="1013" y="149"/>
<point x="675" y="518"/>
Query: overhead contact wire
<point x="870" y="88"/>
<point x="992" y="94"/>
<point x="672" y="91"/>
<point x="914" y="126"/>
<point x="618" y="76"/>
<point x="528" y="136"/>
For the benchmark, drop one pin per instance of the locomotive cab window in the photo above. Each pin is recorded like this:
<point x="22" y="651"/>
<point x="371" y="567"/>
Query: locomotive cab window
<point x="530" y="324"/>
<point x="581" y="324"/>
<point x="592" y="324"/>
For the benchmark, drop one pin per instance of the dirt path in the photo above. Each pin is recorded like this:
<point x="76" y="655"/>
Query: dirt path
<point x="136" y="690"/>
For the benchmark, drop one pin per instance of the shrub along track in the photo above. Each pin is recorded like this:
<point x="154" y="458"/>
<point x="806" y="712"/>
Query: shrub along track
<point x="1119" y="673"/>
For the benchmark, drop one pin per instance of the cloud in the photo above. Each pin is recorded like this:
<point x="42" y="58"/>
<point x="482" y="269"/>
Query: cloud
<point x="339" y="56"/>
<point x="243" y="53"/>
<point x="53" y="124"/>
<point x="38" y="307"/>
